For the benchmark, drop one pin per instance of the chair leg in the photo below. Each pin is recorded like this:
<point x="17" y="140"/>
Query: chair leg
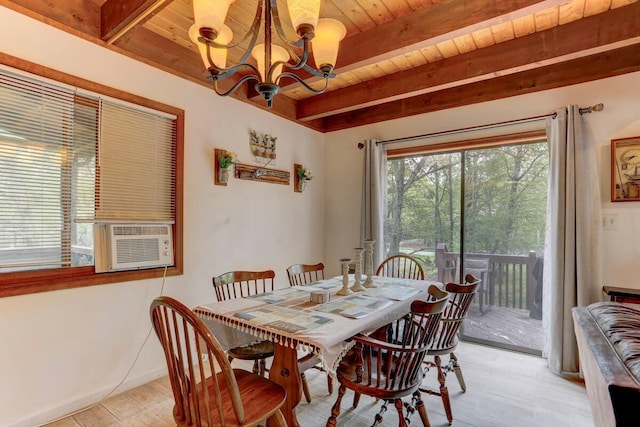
<point x="335" y="410"/>
<point x="458" y="371"/>
<point x="305" y="387"/>
<point x="400" y="408"/>
<point x="330" y="384"/>
<point x="444" y="391"/>
<point x="263" y="367"/>
<point x="356" y="400"/>
<point x="277" y="420"/>
<point x="422" y="410"/>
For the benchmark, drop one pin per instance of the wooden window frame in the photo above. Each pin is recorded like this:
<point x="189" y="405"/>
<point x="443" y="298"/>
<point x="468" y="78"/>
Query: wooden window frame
<point x="34" y="281"/>
<point x="486" y="142"/>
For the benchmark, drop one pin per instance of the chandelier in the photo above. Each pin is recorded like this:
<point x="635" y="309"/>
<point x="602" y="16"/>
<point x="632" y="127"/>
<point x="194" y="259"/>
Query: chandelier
<point x="214" y="39"/>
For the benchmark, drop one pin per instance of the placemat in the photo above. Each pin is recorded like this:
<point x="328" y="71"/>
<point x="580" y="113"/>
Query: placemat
<point x="353" y="306"/>
<point x="283" y="319"/>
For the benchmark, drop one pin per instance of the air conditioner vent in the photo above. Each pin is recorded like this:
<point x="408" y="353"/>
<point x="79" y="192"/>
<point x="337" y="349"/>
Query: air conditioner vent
<point x="140" y="230"/>
<point x="137" y="250"/>
<point x="132" y="246"/>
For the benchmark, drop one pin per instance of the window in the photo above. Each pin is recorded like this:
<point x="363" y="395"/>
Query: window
<point x="69" y="158"/>
<point x="479" y="208"/>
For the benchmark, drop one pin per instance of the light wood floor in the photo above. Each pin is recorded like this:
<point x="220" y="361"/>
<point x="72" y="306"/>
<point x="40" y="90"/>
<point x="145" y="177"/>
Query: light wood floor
<point x="503" y="389"/>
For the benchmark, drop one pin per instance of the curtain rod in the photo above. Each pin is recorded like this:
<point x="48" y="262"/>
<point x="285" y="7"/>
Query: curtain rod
<point x="585" y="110"/>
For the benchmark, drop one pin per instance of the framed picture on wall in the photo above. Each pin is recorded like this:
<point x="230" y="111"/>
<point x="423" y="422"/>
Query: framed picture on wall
<point x="625" y="169"/>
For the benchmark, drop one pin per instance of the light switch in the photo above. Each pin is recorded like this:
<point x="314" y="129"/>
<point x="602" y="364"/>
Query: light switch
<point x="609" y="221"/>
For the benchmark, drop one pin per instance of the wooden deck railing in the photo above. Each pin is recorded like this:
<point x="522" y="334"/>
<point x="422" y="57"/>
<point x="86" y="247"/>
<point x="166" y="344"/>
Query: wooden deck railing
<point x="508" y="279"/>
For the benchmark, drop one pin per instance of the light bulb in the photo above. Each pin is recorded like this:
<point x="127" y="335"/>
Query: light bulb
<point x="326" y="41"/>
<point x="218" y="55"/>
<point x="278" y="53"/>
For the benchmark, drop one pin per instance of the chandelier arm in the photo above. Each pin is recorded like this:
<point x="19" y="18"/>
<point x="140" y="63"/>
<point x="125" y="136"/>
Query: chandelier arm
<point x="223" y="73"/>
<point x="303" y="83"/>
<point x="235" y="86"/>
<point x="318" y="73"/>
<point x="302" y="42"/>
<point x="301" y="61"/>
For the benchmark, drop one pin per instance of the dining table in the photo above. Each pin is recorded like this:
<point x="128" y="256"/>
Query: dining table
<point x="289" y="318"/>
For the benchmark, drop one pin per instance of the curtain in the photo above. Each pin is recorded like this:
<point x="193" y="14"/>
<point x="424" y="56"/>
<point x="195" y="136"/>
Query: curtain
<point x="571" y="258"/>
<point x="374" y="198"/>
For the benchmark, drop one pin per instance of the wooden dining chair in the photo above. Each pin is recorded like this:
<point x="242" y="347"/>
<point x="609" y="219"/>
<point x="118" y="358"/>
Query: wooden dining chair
<point x="206" y="390"/>
<point x="392" y="369"/>
<point x="446" y="340"/>
<point x="299" y="275"/>
<point x="401" y="266"/>
<point x="303" y="274"/>
<point x="236" y="284"/>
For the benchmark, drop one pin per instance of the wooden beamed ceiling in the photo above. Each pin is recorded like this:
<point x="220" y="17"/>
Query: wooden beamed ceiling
<point x="400" y="57"/>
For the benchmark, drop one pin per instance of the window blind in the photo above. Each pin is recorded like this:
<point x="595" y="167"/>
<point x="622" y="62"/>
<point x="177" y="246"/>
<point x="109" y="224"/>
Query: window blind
<point x="36" y="138"/>
<point x="135" y="166"/>
<point x="68" y="160"/>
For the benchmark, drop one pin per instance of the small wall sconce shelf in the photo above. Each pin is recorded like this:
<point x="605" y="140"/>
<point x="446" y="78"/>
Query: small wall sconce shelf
<point x="259" y="173"/>
<point x="220" y="176"/>
<point x="297" y="186"/>
<point x="301" y="176"/>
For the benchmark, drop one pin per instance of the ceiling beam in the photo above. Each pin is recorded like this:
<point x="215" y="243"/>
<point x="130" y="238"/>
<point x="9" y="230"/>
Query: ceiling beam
<point x="597" y="33"/>
<point x="429" y="26"/>
<point x="78" y="17"/>
<point x="425" y="27"/>
<point x="594" y="67"/>
<point x="117" y="17"/>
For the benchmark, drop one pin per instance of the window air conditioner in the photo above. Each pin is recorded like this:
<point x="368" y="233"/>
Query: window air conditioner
<point x="121" y="247"/>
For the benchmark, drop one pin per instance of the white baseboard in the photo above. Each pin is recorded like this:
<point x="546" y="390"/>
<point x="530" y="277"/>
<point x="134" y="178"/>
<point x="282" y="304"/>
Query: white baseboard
<point x="64" y="409"/>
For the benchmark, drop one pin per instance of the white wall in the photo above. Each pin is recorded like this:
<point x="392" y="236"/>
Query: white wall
<point x="620" y="118"/>
<point x="64" y="349"/>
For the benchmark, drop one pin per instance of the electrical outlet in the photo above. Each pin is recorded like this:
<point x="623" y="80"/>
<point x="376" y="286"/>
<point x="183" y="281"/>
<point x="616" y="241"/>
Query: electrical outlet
<point x="609" y="221"/>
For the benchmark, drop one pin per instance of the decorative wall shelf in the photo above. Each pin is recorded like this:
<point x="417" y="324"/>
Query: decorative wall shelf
<point x="301" y="182"/>
<point x="216" y="161"/>
<point x="296" y="178"/>
<point x="259" y="173"/>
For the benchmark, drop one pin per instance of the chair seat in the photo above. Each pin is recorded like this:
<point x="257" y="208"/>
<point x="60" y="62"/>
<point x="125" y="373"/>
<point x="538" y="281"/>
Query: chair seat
<point x="308" y="361"/>
<point x="259" y="350"/>
<point x="260" y="397"/>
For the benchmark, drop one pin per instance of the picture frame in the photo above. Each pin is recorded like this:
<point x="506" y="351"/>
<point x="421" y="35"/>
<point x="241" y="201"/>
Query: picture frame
<point x="625" y="169"/>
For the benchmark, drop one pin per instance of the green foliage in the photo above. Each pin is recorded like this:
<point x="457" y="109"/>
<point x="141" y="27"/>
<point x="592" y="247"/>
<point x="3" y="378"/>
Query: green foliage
<point x="505" y="197"/>
<point x="226" y="159"/>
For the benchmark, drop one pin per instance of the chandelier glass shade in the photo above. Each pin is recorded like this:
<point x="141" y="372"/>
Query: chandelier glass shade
<point x="273" y="62"/>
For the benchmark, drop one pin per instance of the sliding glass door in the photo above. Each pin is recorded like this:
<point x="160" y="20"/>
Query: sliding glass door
<point x="478" y="211"/>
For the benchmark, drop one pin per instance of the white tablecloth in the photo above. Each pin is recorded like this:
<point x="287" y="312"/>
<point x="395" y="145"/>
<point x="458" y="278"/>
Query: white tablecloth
<point x="328" y="341"/>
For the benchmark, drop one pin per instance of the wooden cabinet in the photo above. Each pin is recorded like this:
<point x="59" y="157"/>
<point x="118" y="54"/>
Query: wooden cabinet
<point x="622" y="294"/>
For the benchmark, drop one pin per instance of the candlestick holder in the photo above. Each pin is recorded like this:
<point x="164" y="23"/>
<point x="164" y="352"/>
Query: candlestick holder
<point x="345" y="277"/>
<point x="357" y="260"/>
<point x="368" y="263"/>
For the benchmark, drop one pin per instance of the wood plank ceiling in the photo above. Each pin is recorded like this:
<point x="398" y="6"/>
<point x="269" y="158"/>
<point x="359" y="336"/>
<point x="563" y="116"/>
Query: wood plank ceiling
<point x="400" y="57"/>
